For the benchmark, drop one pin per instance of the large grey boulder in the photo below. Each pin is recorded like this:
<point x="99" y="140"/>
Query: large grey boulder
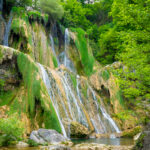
<point x="43" y="136"/>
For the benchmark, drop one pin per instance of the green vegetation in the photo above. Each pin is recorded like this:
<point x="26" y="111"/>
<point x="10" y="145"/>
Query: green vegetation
<point x="36" y="90"/>
<point x="74" y="80"/>
<point x="2" y="83"/>
<point x="125" y="115"/>
<point x="87" y="58"/>
<point x="32" y="143"/>
<point x="55" y="61"/>
<point x="132" y="132"/>
<point x="52" y="8"/>
<point x="12" y="129"/>
<point x="6" y="97"/>
<point x="105" y="74"/>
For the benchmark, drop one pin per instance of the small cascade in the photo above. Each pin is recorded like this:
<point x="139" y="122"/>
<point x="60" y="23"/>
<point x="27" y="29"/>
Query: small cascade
<point x="95" y="118"/>
<point x="7" y="31"/>
<point x="67" y="41"/>
<point x="1" y="5"/>
<point x="78" y="91"/>
<point x="51" y="94"/>
<point x="76" y="113"/>
<point x="105" y="115"/>
<point x="63" y="57"/>
<point x="111" y="121"/>
<point x="53" y="48"/>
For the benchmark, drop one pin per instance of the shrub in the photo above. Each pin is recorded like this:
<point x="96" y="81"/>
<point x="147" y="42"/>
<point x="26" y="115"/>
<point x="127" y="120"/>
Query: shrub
<point x="52" y="8"/>
<point x="12" y="127"/>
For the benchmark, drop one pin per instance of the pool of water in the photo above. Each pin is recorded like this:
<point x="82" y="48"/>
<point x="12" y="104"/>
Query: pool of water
<point x="107" y="141"/>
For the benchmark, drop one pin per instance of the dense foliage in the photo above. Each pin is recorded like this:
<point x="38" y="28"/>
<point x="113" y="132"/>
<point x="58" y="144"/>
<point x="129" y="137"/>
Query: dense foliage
<point x="12" y="128"/>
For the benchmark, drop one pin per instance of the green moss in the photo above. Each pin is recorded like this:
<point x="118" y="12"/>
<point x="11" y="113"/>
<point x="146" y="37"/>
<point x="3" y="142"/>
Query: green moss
<point x="20" y="28"/>
<point x="1" y="55"/>
<point x="36" y="91"/>
<point x="2" y="83"/>
<point x="125" y="115"/>
<point x="87" y="58"/>
<point x="55" y="61"/>
<point x="139" y="143"/>
<point x="132" y="132"/>
<point x="36" y="15"/>
<point x="7" y="97"/>
<point x="119" y="97"/>
<point x="105" y="75"/>
<point x="74" y="80"/>
<point x="84" y="90"/>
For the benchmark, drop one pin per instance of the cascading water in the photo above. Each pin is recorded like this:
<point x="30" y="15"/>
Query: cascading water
<point x="53" y="48"/>
<point x="49" y="88"/>
<point x="7" y="31"/>
<point x="111" y="121"/>
<point x="63" y="56"/>
<point x="67" y="41"/>
<point x="78" y="91"/>
<point x="71" y="98"/>
<point x="105" y="115"/>
<point x="1" y="5"/>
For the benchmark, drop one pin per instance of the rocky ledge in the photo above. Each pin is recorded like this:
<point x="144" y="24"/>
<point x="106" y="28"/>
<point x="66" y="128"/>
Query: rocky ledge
<point x="94" y="146"/>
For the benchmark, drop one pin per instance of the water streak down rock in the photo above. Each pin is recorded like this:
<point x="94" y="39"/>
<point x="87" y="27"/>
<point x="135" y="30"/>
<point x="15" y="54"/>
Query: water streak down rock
<point x="7" y="31"/>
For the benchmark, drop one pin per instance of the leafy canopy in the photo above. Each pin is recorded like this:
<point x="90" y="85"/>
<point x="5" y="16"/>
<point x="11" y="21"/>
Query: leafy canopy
<point x="52" y="8"/>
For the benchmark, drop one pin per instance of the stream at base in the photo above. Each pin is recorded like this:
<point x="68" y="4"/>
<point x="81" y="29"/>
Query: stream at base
<point x="107" y="141"/>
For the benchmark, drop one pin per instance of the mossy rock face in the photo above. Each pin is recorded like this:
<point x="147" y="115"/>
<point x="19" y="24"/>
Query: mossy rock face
<point x="78" y="130"/>
<point x="132" y="132"/>
<point x="30" y="97"/>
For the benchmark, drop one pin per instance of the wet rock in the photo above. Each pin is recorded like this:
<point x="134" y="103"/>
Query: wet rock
<point x="43" y="136"/>
<point x="78" y="130"/>
<point x="22" y="144"/>
<point x="58" y="147"/>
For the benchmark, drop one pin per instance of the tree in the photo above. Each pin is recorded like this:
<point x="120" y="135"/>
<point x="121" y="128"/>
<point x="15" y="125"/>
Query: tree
<point x="75" y="14"/>
<point x="8" y="4"/>
<point x="131" y="17"/>
<point x="52" y="8"/>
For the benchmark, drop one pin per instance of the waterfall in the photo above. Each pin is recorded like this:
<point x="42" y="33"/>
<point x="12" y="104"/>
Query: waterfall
<point x="105" y="114"/>
<point x="49" y="88"/>
<point x="1" y="5"/>
<point x="76" y="114"/>
<point x="7" y="31"/>
<point x="78" y="91"/>
<point x="63" y="57"/>
<point x="67" y="41"/>
<point x="53" y="48"/>
<point x="111" y="121"/>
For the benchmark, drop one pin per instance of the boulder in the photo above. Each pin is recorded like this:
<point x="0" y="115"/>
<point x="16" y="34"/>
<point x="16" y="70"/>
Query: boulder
<point x="43" y="136"/>
<point x="78" y="130"/>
